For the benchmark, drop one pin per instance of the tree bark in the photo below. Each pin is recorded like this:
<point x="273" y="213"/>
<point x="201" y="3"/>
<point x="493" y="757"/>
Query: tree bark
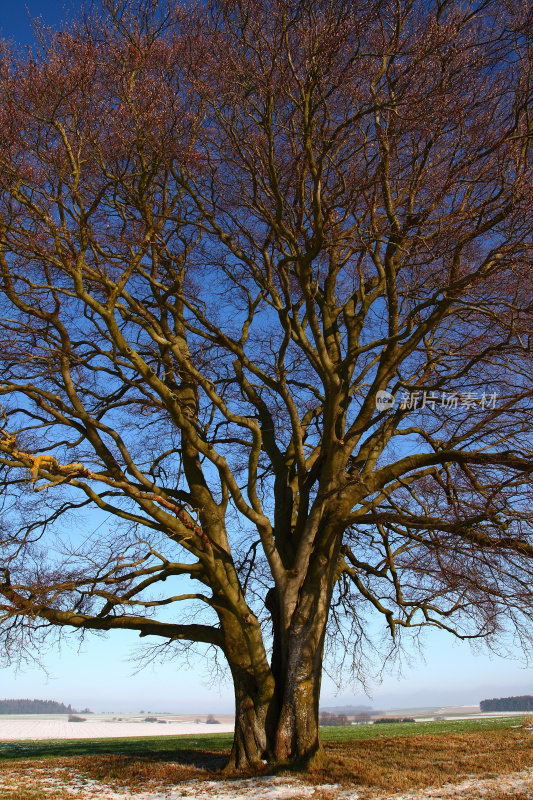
<point x="250" y="747"/>
<point x="254" y="691"/>
<point x="277" y="708"/>
<point x="297" y="659"/>
<point x="270" y="728"/>
<point x="297" y="735"/>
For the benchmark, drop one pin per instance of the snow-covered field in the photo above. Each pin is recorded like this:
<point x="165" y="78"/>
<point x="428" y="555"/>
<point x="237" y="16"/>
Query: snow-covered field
<point x="105" y="726"/>
<point x="100" y="726"/>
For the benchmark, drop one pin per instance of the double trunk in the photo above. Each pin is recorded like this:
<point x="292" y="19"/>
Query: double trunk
<point x="277" y="721"/>
<point x="276" y="711"/>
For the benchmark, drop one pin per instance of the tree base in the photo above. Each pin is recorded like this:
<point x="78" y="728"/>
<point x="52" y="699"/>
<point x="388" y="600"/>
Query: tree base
<point x="238" y="764"/>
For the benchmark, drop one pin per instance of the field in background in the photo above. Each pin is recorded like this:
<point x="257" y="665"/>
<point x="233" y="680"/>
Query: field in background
<point x="222" y="741"/>
<point x="125" y="725"/>
<point x="99" y="726"/>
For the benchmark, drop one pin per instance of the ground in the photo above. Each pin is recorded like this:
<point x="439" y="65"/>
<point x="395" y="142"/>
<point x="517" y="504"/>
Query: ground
<point x="469" y="760"/>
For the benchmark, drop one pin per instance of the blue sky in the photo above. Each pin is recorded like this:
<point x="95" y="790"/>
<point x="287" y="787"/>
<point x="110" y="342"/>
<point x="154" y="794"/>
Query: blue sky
<point x="100" y="675"/>
<point x="15" y="17"/>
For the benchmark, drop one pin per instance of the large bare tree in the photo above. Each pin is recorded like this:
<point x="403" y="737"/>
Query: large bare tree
<point x="266" y="304"/>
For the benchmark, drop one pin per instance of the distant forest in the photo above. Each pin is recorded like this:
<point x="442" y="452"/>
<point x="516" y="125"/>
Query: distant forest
<point x="522" y="703"/>
<point x="34" y="707"/>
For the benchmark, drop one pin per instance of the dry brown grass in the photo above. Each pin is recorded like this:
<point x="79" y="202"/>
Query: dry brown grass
<point x="64" y="778"/>
<point x="27" y="780"/>
<point x="430" y="760"/>
<point x="145" y="772"/>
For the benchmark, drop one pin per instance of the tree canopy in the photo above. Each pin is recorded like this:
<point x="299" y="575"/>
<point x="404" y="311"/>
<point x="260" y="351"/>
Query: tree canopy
<point x="265" y="302"/>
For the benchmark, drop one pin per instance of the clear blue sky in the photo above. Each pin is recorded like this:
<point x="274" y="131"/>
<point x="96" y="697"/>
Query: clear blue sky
<point x="16" y="16"/>
<point x="100" y="676"/>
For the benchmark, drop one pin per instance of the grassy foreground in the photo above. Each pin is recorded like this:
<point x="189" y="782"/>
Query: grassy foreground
<point x="394" y="757"/>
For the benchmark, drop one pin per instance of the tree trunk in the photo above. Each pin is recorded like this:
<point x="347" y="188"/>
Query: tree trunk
<point x="270" y="731"/>
<point x="297" y="660"/>
<point x="297" y="732"/>
<point x="254" y="691"/>
<point x="250" y="742"/>
<point x="277" y="710"/>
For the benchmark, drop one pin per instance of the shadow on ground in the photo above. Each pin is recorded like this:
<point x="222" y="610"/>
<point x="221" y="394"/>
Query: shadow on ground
<point x="207" y="752"/>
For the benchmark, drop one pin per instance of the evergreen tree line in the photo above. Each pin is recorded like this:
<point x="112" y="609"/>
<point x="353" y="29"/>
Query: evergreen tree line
<point x="24" y="706"/>
<point x="522" y="703"/>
